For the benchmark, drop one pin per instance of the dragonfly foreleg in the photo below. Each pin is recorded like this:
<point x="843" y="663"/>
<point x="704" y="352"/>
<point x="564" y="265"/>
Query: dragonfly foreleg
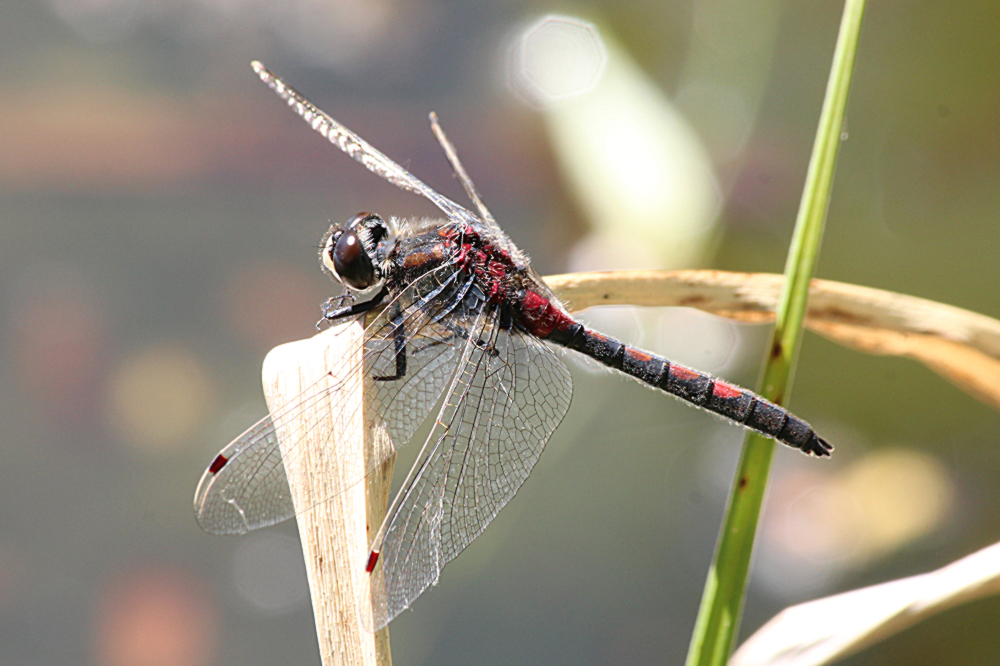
<point x="334" y="308"/>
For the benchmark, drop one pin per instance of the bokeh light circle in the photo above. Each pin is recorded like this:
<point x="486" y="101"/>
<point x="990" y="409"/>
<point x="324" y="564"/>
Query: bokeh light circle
<point x="557" y="57"/>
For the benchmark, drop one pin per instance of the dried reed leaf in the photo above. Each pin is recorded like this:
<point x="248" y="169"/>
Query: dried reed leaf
<point x="961" y="346"/>
<point x="825" y="630"/>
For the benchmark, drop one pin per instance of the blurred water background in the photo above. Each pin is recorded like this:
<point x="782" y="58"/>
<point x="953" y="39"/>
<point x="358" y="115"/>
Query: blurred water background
<point x="159" y="212"/>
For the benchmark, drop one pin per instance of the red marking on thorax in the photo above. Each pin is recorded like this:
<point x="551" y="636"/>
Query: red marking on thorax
<point x="372" y="559"/>
<point x="496" y="269"/>
<point x="217" y="464"/>
<point x="680" y="372"/>
<point x="724" y="390"/>
<point x="489" y="263"/>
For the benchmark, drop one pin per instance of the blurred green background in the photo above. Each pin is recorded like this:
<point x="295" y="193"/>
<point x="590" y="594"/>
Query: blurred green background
<point x="159" y="212"/>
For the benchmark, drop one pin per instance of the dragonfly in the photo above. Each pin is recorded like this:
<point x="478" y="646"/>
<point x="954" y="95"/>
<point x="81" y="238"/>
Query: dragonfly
<point x="459" y="320"/>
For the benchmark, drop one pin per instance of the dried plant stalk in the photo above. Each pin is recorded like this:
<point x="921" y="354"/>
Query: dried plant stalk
<point x="854" y="620"/>
<point x="335" y="533"/>
<point x="961" y="346"/>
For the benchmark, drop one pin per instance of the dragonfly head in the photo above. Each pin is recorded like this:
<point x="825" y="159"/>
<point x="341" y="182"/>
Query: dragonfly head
<point x="357" y="253"/>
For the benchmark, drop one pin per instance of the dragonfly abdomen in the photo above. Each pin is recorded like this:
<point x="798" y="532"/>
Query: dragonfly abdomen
<point x="737" y="404"/>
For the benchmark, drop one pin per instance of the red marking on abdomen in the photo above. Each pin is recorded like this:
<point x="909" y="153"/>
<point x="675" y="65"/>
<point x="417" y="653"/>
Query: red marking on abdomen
<point x="642" y="357"/>
<point x="372" y="559"/>
<point x="217" y="464"/>
<point x="541" y="317"/>
<point x="533" y="301"/>
<point x="724" y="390"/>
<point x="680" y="372"/>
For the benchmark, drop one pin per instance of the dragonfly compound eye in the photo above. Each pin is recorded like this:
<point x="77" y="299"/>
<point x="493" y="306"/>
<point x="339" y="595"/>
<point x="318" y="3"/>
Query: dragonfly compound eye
<point x="351" y="262"/>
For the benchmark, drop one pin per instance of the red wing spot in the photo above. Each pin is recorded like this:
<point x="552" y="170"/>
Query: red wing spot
<point x="372" y="559"/>
<point x="724" y="390"/>
<point x="217" y="464"/>
<point x="680" y="372"/>
<point x="642" y="357"/>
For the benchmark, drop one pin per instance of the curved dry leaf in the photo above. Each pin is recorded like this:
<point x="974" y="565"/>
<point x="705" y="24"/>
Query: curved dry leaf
<point x="825" y="630"/>
<point x="961" y="346"/>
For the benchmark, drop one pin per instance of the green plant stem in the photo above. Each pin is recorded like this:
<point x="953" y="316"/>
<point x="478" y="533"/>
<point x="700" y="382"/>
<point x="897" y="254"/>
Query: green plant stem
<point x="722" y="602"/>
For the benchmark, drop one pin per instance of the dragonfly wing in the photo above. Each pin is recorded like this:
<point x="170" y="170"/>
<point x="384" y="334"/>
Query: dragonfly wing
<point x="510" y="394"/>
<point x="429" y="322"/>
<point x="358" y="148"/>
<point x="463" y="176"/>
<point x="221" y="503"/>
<point x="245" y="486"/>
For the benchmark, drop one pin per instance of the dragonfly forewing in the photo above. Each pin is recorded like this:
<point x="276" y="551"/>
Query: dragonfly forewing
<point x="246" y="488"/>
<point x="359" y="149"/>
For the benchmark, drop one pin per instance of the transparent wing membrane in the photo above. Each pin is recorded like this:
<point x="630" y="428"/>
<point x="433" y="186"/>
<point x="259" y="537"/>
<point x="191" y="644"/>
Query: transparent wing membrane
<point x="359" y="149"/>
<point x="509" y="395"/>
<point x="245" y="487"/>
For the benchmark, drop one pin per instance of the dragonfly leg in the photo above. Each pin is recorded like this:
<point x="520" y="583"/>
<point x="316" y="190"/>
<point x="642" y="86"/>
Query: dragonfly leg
<point x="399" y="343"/>
<point x="333" y="308"/>
<point x="399" y="332"/>
<point x="335" y="303"/>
